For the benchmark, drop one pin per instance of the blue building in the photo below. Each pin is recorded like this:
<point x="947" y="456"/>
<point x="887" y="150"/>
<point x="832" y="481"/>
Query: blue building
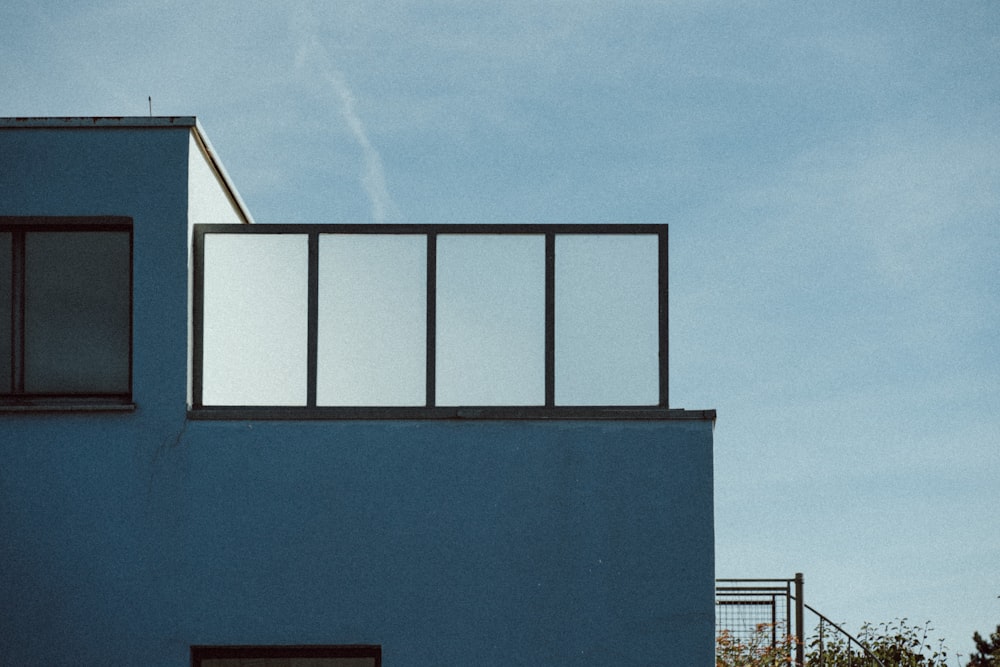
<point x="203" y="461"/>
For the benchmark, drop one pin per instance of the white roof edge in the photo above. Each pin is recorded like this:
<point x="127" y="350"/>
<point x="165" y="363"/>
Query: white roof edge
<point x="202" y="138"/>
<point x="99" y="121"/>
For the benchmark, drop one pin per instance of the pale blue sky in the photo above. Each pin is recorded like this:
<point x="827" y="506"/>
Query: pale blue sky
<point x="830" y="172"/>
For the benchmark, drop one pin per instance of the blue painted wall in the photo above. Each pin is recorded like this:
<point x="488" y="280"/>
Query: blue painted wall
<point x="132" y="171"/>
<point x="128" y="537"/>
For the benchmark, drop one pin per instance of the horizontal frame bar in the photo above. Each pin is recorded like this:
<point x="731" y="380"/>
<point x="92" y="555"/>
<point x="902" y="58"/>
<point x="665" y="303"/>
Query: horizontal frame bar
<point x="445" y="228"/>
<point x="278" y="652"/>
<point x="490" y="412"/>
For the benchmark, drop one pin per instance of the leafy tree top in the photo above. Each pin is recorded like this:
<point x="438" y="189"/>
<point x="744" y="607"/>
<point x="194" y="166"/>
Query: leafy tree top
<point x="987" y="651"/>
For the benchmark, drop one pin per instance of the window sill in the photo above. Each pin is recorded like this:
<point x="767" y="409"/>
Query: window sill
<point x="66" y="405"/>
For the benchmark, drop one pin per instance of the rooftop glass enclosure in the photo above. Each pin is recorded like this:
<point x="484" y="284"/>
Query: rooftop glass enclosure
<point x="431" y="321"/>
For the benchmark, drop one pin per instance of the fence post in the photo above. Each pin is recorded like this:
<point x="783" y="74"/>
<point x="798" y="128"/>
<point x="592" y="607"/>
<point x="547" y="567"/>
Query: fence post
<point x="800" y="648"/>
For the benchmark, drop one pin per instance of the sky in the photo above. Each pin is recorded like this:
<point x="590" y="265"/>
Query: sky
<point x="830" y="173"/>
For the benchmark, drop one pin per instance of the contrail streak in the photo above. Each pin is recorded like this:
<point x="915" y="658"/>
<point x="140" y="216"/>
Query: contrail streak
<point x="373" y="176"/>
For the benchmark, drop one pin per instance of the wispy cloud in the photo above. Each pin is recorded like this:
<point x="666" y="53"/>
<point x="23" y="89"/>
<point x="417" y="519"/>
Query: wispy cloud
<point x="312" y="54"/>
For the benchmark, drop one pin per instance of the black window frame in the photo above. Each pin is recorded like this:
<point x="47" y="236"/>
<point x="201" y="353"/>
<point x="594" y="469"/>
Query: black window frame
<point x="200" y="653"/>
<point x="549" y="410"/>
<point x="16" y="397"/>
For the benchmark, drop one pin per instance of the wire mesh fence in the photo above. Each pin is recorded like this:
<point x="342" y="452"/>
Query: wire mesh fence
<point x="745" y="619"/>
<point x="744" y="606"/>
<point x="764" y="618"/>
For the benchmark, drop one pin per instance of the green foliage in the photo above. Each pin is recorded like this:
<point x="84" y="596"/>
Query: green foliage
<point x="757" y="651"/>
<point x="987" y="652"/>
<point x="896" y="644"/>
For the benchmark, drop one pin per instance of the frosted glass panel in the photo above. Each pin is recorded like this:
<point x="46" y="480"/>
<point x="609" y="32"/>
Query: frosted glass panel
<point x="5" y="306"/>
<point x="256" y="319"/>
<point x="372" y="323"/>
<point x="607" y="327"/>
<point x="77" y="312"/>
<point x="490" y="346"/>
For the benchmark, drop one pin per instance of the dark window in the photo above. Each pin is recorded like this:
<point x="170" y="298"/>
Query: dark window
<point x="65" y="309"/>
<point x="286" y="656"/>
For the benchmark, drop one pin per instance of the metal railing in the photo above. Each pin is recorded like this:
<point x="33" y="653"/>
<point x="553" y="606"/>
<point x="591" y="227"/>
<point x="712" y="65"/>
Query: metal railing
<point x="747" y="607"/>
<point x="424" y="400"/>
<point x="863" y="658"/>
<point x="744" y="606"/>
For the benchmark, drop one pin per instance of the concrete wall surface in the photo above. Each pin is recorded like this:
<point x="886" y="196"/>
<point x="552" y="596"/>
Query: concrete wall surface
<point x="480" y="543"/>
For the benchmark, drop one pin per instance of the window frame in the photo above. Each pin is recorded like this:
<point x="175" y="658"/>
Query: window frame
<point x="16" y="397"/>
<point x="430" y="410"/>
<point x="200" y="653"/>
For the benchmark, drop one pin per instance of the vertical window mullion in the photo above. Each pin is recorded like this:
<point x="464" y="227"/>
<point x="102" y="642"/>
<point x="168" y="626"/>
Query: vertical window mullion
<point x="664" y="332"/>
<point x="431" y="319"/>
<point x="313" y="320"/>
<point x="131" y="306"/>
<point x="550" y="319"/>
<point x="198" y="317"/>
<point x="17" y="311"/>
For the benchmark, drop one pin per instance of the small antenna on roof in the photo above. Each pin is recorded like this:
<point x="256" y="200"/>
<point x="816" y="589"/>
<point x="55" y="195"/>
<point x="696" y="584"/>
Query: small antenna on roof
<point x="150" y="106"/>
